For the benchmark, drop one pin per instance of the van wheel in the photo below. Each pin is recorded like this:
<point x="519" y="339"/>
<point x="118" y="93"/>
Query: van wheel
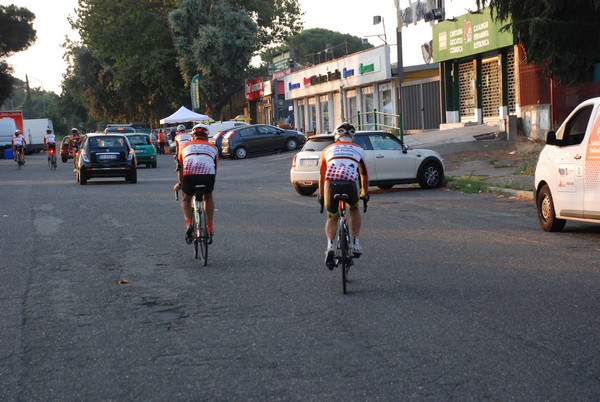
<point x="546" y="213"/>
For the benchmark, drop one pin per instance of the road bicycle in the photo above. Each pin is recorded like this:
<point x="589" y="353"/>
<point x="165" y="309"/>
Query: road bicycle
<point x="200" y="236"/>
<point x="344" y="257"/>
<point x="20" y="156"/>
<point x="52" y="158"/>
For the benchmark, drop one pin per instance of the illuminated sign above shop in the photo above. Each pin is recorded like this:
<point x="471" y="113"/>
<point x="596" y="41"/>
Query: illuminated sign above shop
<point x="469" y="35"/>
<point x="362" y="67"/>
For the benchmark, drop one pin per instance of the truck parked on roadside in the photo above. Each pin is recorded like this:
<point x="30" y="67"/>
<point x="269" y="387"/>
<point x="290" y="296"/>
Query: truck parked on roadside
<point x="567" y="175"/>
<point x="34" y="131"/>
<point x="10" y="121"/>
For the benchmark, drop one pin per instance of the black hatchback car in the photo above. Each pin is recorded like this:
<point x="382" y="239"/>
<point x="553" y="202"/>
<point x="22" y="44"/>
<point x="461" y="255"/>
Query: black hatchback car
<point x="259" y="138"/>
<point x="106" y="155"/>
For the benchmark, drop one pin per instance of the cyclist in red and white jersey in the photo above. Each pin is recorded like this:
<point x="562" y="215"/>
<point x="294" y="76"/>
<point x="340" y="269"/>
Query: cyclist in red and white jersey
<point x="343" y="171"/>
<point x="19" y="144"/>
<point x="181" y="138"/>
<point x="198" y="160"/>
<point x="49" y="142"/>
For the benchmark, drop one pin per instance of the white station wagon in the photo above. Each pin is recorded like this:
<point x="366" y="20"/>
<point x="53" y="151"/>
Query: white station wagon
<point x="389" y="162"/>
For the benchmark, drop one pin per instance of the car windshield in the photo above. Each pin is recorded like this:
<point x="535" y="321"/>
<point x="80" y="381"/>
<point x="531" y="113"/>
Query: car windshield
<point x="138" y="139"/>
<point x="317" y="144"/>
<point x="107" y="142"/>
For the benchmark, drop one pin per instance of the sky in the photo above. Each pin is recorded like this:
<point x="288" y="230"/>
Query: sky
<point x="44" y="65"/>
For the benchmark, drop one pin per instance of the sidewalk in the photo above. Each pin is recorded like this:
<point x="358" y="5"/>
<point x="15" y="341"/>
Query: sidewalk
<point x="471" y="151"/>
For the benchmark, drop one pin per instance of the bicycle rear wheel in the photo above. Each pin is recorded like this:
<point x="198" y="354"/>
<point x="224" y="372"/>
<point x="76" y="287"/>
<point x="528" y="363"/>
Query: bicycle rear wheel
<point x="196" y="225"/>
<point x="343" y="244"/>
<point x="203" y="238"/>
<point x="53" y="162"/>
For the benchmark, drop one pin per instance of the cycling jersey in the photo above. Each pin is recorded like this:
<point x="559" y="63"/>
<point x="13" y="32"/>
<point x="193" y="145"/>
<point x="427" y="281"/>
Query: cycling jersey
<point x="19" y="141"/>
<point x="182" y="138"/>
<point x="50" y="139"/>
<point x="198" y="157"/>
<point x="341" y="161"/>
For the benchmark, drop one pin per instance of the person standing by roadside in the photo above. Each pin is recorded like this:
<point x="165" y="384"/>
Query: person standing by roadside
<point x="162" y="139"/>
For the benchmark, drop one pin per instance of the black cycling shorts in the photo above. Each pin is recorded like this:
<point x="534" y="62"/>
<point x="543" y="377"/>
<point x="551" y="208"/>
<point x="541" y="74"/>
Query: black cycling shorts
<point x="188" y="182"/>
<point x="51" y="146"/>
<point x="340" y="187"/>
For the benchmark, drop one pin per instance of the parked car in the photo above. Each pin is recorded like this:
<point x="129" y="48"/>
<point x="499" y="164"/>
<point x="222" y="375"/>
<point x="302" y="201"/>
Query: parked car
<point x="259" y="138"/>
<point x="145" y="152"/>
<point x="106" y="155"/>
<point x="119" y="128"/>
<point x="388" y="160"/>
<point x="65" y="149"/>
<point x="566" y="174"/>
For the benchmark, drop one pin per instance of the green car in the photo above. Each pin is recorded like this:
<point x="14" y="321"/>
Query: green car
<point x="144" y="150"/>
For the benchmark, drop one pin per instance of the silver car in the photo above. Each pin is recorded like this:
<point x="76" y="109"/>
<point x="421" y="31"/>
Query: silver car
<point x="389" y="162"/>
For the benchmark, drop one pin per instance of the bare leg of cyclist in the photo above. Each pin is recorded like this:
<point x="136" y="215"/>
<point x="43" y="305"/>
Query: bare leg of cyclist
<point x="186" y="208"/>
<point x="330" y="230"/>
<point x="209" y="207"/>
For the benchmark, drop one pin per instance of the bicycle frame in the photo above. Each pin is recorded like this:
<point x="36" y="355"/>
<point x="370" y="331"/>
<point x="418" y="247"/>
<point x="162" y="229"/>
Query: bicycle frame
<point x="199" y="222"/>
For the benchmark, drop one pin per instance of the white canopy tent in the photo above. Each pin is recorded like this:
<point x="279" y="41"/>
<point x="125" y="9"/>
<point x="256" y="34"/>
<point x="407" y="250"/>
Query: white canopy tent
<point x="184" y="115"/>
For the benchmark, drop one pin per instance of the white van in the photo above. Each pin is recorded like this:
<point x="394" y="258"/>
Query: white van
<point x="217" y="126"/>
<point x="567" y="175"/>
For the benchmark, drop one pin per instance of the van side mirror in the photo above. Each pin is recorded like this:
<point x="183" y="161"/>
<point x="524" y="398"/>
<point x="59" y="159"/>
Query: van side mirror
<point x="551" y="138"/>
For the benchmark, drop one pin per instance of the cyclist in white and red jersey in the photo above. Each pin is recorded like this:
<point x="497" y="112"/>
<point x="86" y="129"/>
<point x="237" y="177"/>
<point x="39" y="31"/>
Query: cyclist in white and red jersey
<point x="49" y="142"/>
<point x="343" y="168"/>
<point x="198" y="160"/>
<point x="19" y="144"/>
<point x="181" y="138"/>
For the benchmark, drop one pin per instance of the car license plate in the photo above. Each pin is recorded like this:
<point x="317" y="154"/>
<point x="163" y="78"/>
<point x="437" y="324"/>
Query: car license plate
<point x="102" y="157"/>
<point x="309" y="162"/>
<point x="139" y="151"/>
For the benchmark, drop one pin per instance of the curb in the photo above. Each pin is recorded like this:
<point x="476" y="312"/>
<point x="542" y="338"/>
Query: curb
<point x="519" y="194"/>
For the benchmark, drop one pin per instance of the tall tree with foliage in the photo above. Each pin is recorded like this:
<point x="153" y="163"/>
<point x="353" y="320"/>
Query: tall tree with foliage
<point x="16" y="34"/>
<point x="562" y="35"/>
<point x="216" y="42"/>
<point x="137" y="76"/>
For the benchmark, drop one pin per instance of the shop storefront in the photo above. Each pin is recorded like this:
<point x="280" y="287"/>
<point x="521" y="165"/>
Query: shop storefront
<point x="358" y="88"/>
<point x="477" y="67"/>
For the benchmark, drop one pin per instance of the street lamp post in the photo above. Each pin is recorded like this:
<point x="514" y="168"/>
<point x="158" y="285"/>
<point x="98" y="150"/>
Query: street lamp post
<point x="43" y="92"/>
<point x="400" y="65"/>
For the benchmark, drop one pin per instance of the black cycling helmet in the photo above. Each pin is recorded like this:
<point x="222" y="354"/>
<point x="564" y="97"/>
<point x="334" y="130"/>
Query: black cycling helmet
<point x="344" y="130"/>
<point x="48" y="131"/>
<point x="200" y="130"/>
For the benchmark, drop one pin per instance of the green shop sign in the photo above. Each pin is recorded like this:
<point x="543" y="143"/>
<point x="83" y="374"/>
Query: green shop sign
<point x="470" y="34"/>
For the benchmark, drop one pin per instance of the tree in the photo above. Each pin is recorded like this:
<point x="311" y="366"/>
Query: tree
<point x="16" y="34"/>
<point x="216" y="42"/>
<point x="563" y="36"/>
<point x="135" y="76"/>
<point x="316" y="45"/>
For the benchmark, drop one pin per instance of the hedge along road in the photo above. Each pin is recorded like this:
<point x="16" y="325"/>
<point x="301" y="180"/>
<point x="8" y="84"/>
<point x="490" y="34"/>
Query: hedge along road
<point x="457" y="296"/>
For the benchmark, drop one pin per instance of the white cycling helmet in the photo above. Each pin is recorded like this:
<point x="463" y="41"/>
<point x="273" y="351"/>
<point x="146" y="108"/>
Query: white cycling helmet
<point x="344" y="130"/>
<point x="181" y="127"/>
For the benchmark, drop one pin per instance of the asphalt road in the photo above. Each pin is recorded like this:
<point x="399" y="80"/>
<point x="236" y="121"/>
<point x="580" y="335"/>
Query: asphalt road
<point x="457" y="296"/>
